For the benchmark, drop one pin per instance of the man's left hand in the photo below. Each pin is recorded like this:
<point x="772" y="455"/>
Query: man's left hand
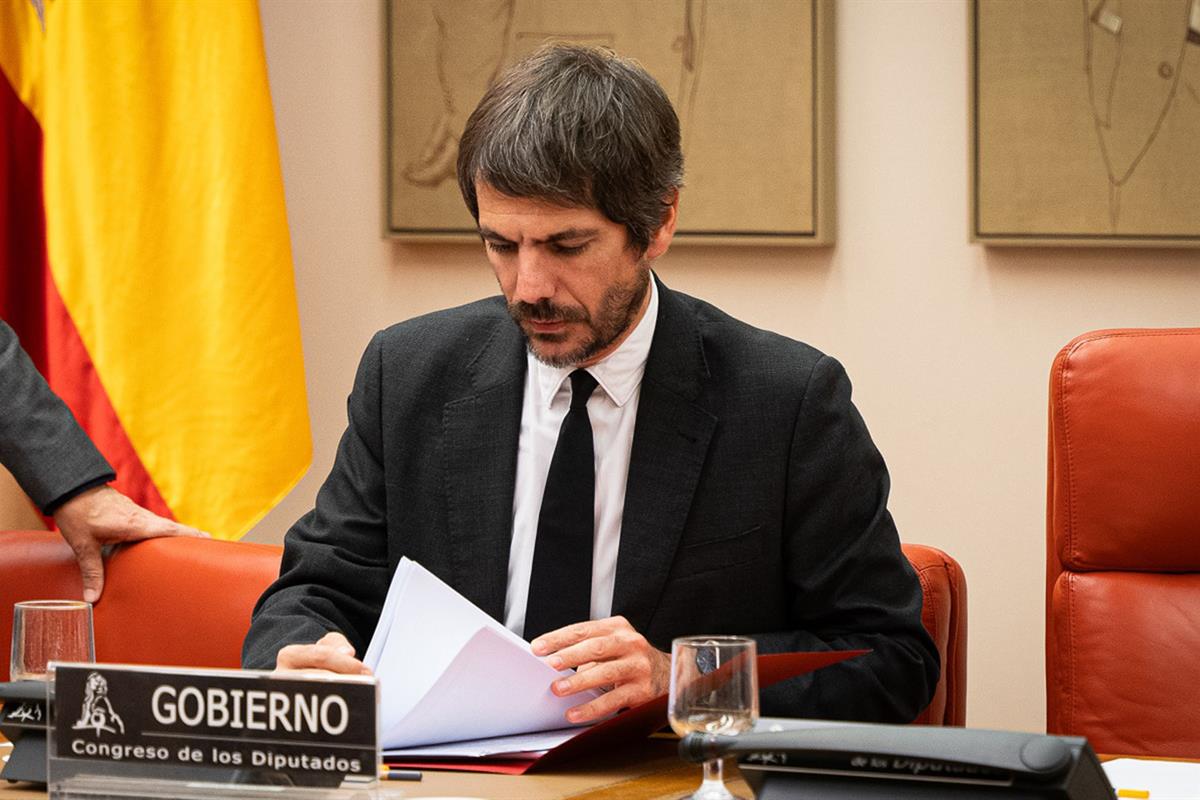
<point x="609" y="655"/>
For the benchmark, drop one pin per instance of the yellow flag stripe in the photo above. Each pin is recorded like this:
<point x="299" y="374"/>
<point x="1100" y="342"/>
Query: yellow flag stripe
<point x="21" y="50"/>
<point x="168" y="241"/>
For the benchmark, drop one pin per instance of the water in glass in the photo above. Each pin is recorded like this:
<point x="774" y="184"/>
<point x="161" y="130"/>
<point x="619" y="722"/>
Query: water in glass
<point x="714" y="689"/>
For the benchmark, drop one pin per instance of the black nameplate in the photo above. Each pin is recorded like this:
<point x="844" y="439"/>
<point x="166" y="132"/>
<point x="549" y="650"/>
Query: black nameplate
<point x="226" y="720"/>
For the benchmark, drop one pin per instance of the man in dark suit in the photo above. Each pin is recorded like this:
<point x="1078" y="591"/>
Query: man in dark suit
<point x="60" y="469"/>
<point x="735" y="488"/>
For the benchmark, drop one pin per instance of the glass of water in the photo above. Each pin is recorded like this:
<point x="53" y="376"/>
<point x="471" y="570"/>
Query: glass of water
<point x="49" y="630"/>
<point x="714" y="689"/>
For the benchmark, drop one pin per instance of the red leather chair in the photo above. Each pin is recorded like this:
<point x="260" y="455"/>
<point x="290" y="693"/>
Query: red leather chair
<point x="187" y="602"/>
<point x="1123" y="541"/>
<point x="944" y="615"/>
<point x="179" y="602"/>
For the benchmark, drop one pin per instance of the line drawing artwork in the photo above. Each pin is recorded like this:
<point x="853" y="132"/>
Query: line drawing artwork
<point x="1134" y="58"/>
<point x="476" y="38"/>
<point x="692" y="48"/>
<point x="748" y="81"/>
<point x="469" y="55"/>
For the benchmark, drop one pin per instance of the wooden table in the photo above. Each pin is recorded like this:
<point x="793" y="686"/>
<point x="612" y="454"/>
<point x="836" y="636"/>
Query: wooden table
<point x="648" y="771"/>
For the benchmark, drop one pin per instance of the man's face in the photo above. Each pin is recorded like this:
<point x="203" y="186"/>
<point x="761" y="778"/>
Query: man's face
<point x="571" y="282"/>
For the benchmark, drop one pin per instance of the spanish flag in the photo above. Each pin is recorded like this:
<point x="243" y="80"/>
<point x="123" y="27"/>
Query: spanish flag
<point x="144" y="253"/>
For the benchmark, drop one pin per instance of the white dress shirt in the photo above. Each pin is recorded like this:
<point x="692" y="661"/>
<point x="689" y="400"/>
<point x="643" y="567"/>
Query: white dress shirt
<point x="612" y="409"/>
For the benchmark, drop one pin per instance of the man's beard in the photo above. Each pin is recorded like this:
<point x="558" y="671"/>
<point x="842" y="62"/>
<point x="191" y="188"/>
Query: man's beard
<point x="619" y="305"/>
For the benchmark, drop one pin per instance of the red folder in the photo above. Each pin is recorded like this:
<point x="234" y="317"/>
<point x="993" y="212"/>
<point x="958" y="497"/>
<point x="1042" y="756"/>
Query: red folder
<point x="628" y="726"/>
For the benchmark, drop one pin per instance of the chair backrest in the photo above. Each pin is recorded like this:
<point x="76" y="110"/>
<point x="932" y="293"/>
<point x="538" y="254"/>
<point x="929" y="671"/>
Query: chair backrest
<point x="944" y="615"/>
<point x="180" y="602"/>
<point x="1123" y="542"/>
<point x="187" y="602"/>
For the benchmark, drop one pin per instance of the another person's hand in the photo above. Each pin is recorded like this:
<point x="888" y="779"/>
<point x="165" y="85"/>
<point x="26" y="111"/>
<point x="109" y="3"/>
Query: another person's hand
<point x="332" y="653"/>
<point x="609" y="655"/>
<point x="103" y="516"/>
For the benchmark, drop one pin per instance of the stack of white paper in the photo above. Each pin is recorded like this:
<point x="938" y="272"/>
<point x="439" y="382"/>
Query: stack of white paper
<point x="449" y="672"/>
<point x="1164" y="780"/>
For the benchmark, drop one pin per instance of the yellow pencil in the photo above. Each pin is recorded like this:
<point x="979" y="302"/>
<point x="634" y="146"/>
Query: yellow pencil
<point x="1143" y="793"/>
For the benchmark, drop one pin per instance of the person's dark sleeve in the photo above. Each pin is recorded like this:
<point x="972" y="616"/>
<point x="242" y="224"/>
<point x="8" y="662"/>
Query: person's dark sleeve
<point x="852" y="587"/>
<point x="41" y="444"/>
<point x="334" y="574"/>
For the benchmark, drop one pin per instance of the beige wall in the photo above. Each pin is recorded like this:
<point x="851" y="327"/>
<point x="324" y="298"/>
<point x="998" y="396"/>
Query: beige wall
<point x="949" y="344"/>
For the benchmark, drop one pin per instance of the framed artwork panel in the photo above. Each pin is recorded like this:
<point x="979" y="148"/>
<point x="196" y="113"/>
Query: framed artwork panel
<point x="752" y="84"/>
<point x="1086" y="122"/>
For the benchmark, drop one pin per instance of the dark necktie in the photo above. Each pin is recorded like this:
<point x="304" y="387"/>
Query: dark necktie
<point x="560" y="585"/>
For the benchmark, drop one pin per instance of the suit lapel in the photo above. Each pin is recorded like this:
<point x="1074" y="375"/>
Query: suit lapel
<point x="670" y="442"/>
<point x="481" y="432"/>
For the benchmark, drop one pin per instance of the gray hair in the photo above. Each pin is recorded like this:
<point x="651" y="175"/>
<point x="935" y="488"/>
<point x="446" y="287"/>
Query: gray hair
<point x="577" y="126"/>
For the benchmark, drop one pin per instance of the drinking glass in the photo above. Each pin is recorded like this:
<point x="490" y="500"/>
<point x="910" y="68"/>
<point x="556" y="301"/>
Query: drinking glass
<point x="49" y="630"/>
<point x="714" y="689"/>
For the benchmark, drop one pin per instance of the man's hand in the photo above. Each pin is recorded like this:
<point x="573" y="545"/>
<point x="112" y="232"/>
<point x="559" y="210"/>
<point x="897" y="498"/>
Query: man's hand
<point x="333" y="653"/>
<point x="609" y="655"/>
<point x="102" y="516"/>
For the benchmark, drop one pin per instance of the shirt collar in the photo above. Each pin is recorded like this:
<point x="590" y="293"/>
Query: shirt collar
<point x="618" y="374"/>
